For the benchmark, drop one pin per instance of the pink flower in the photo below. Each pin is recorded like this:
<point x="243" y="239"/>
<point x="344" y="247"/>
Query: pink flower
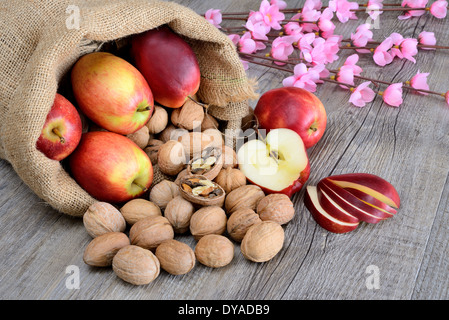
<point x="393" y="95"/>
<point x="214" y="17"/>
<point x="373" y="8"/>
<point x="282" y="48"/>
<point x="308" y="13"/>
<point x="362" y="95"/>
<point x="439" y="9"/>
<point x="271" y="14"/>
<point x="292" y="28"/>
<point x="325" y="23"/>
<point x="413" y="4"/>
<point x="351" y="62"/>
<point x="361" y="37"/>
<point x="381" y="55"/>
<point x="316" y="55"/>
<point x="305" y="43"/>
<point x="395" y="49"/>
<point x="343" y="9"/>
<point x="427" y="38"/>
<point x="419" y="81"/>
<point x="332" y="47"/>
<point x="258" y="29"/>
<point x="245" y="43"/>
<point x="304" y="78"/>
<point x="279" y="3"/>
<point x="314" y="4"/>
<point x="345" y="75"/>
<point x="245" y="64"/>
<point x="409" y="49"/>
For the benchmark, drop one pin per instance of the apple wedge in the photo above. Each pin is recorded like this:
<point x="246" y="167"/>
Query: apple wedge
<point x="352" y="204"/>
<point x="368" y="183"/>
<point x="322" y="216"/>
<point x="370" y="200"/>
<point x="278" y="164"/>
<point x="333" y="209"/>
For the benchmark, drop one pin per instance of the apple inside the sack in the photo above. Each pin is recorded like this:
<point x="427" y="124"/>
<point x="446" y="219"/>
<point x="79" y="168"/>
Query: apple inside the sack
<point x="279" y="164"/>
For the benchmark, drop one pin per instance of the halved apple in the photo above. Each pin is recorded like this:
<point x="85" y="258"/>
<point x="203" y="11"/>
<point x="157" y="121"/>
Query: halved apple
<point x="370" y="184"/>
<point x="352" y="204"/>
<point x="322" y="216"/>
<point x="279" y="164"/>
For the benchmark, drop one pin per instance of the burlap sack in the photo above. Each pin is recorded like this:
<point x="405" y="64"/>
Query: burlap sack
<point x="41" y="40"/>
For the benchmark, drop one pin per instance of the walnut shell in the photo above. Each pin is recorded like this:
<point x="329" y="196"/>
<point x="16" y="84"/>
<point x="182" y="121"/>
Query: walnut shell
<point x="137" y="209"/>
<point x="262" y="241"/>
<point x="171" y="133"/>
<point x="214" y="251"/>
<point x="201" y="165"/>
<point x="158" y="120"/>
<point x="198" y="200"/>
<point x="189" y="116"/>
<point x="276" y="207"/>
<point x="178" y="212"/>
<point x="136" y="265"/>
<point x="230" y="179"/>
<point x="175" y="257"/>
<point x="195" y="142"/>
<point x="163" y="192"/>
<point x="102" y="249"/>
<point x="183" y="174"/>
<point x="247" y="196"/>
<point x="240" y="221"/>
<point x="152" y="149"/>
<point x="171" y="157"/>
<point x="101" y="218"/>
<point x="208" y="220"/>
<point x="229" y="157"/>
<point x="140" y="137"/>
<point x="216" y="137"/>
<point x="149" y="232"/>
<point x="209" y="122"/>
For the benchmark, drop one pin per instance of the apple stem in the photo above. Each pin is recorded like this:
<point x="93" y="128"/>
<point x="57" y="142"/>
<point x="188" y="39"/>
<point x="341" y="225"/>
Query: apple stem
<point x="140" y="186"/>
<point x="58" y="133"/>
<point x="147" y="108"/>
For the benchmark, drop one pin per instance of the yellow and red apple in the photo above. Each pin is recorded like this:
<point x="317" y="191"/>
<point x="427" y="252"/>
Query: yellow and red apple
<point x="62" y="130"/>
<point x="277" y="164"/>
<point x="110" y="167"/>
<point x="293" y="108"/>
<point x="169" y="65"/>
<point x="112" y="92"/>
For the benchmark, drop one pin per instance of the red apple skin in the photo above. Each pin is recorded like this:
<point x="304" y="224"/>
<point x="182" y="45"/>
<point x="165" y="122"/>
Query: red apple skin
<point x="65" y="119"/>
<point x="169" y="65"/>
<point x="361" y="210"/>
<point x="323" y="221"/>
<point x="293" y="188"/>
<point x="106" y="164"/>
<point x="109" y="91"/>
<point x="293" y="108"/>
<point x="370" y="199"/>
<point x="371" y="181"/>
<point x="334" y="211"/>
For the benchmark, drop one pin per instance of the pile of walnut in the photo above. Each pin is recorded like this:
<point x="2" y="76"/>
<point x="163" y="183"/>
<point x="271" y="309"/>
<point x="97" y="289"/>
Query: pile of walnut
<point x="208" y="198"/>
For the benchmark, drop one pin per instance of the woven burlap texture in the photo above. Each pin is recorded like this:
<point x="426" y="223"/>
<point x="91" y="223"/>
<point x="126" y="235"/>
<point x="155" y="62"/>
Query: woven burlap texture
<point x="40" y="42"/>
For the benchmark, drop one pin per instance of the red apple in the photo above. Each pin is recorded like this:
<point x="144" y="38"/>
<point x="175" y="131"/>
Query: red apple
<point x="322" y="216"/>
<point x="62" y="130"/>
<point x="351" y="204"/>
<point x="370" y="200"/>
<point x="293" y="108"/>
<point x="169" y="65"/>
<point x="110" y="167"/>
<point x="333" y="209"/>
<point x="370" y="184"/>
<point x="112" y="92"/>
<point x="279" y="164"/>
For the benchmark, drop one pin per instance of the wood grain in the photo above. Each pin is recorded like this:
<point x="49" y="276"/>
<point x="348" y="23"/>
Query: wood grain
<point x="409" y="146"/>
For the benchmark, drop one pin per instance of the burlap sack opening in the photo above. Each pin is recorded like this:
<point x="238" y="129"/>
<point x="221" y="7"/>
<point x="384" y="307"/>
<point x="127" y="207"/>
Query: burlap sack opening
<point x="41" y="40"/>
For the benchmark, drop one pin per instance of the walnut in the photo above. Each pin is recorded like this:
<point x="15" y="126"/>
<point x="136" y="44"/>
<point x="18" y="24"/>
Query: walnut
<point x="163" y="192"/>
<point x="137" y="209"/>
<point x="178" y="212"/>
<point x="171" y="133"/>
<point x="209" y="122"/>
<point x="247" y="196"/>
<point x="229" y="157"/>
<point x="140" y="137"/>
<point x="201" y="191"/>
<point x="230" y="179"/>
<point x="262" y="241"/>
<point x="149" y="232"/>
<point x="152" y="150"/>
<point x="195" y="142"/>
<point x="189" y="116"/>
<point x="216" y="137"/>
<point x="214" y="251"/>
<point x="158" y="120"/>
<point x="276" y="207"/>
<point x="208" y="164"/>
<point x="208" y="220"/>
<point x="240" y="221"/>
<point x="175" y="257"/>
<point x="102" y="249"/>
<point x="103" y="217"/>
<point x="171" y="157"/>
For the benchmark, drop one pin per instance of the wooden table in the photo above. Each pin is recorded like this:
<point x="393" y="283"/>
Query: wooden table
<point x="41" y="250"/>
